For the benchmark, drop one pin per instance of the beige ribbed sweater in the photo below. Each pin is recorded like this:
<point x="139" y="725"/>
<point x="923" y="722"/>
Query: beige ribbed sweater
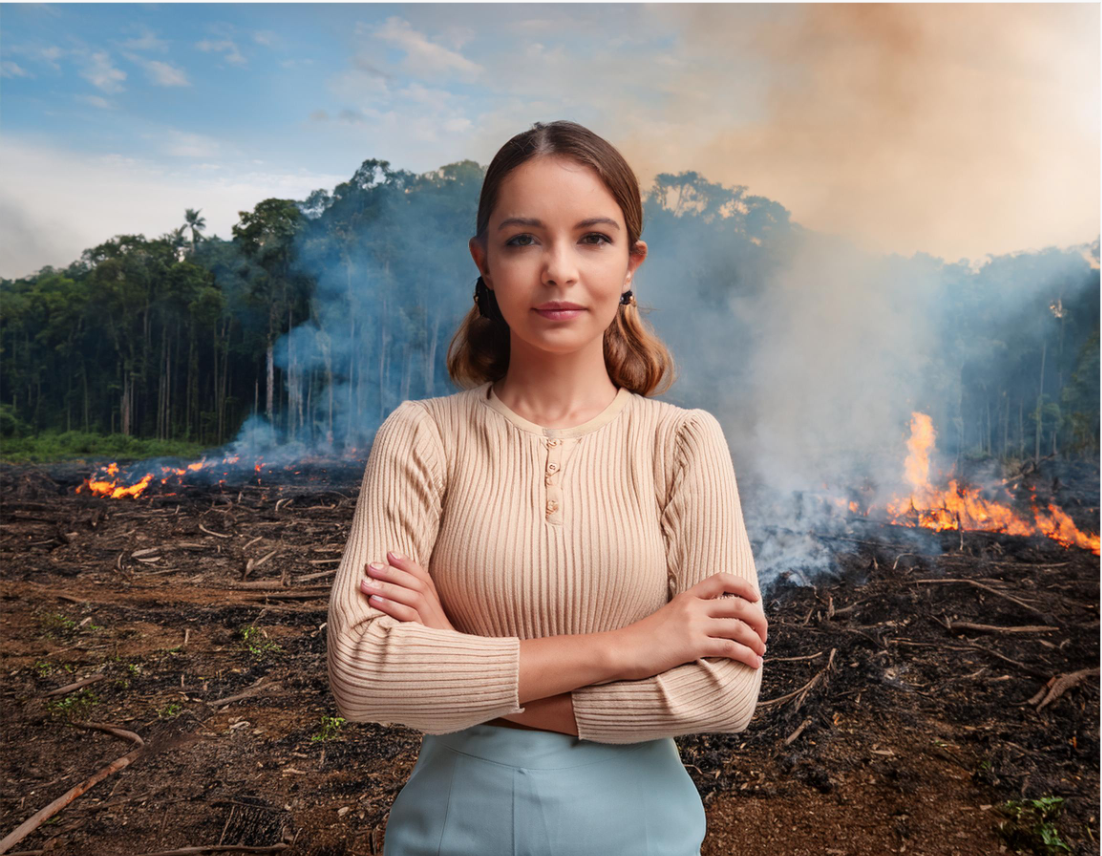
<point x="531" y="532"/>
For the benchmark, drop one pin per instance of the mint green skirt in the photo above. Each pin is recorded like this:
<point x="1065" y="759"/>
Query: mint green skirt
<point x="495" y="791"/>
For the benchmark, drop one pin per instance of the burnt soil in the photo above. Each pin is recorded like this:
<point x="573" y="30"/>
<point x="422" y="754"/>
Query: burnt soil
<point x="883" y="727"/>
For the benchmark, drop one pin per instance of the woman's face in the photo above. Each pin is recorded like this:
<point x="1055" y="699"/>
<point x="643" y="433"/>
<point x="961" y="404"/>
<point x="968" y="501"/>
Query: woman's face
<point x="556" y="235"/>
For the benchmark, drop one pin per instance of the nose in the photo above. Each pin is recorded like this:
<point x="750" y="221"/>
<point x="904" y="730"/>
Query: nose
<point x="560" y="267"/>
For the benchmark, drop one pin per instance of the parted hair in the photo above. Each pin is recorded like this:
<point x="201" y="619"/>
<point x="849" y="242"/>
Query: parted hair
<point x="634" y="355"/>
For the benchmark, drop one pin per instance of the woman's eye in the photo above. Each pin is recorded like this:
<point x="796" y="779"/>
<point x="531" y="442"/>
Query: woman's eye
<point x="515" y="241"/>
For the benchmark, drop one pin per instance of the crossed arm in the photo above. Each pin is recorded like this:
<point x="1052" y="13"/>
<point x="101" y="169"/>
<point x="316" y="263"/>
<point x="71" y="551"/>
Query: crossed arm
<point x="437" y="680"/>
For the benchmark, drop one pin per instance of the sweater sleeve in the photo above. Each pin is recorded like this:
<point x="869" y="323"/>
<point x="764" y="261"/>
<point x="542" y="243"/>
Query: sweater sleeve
<point x="385" y="670"/>
<point x="705" y="534"/>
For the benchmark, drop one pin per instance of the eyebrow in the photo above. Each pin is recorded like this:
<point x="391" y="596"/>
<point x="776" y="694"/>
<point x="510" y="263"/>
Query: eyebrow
<point x="532" y="221"/>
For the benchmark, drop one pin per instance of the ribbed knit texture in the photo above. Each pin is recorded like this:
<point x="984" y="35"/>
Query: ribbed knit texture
<point x="531" y="532"/>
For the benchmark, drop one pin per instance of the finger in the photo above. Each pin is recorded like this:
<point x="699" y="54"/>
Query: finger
<point x="390" y="574"/>
<point x="396" y="593"/>
<point x="399" y="560"/>
<point x="738" y="652"/>
<point x="741" y="632"/>
<point x="724" y="583"/>
<point x="737" y="607"/>
<point x="394" y="608"/>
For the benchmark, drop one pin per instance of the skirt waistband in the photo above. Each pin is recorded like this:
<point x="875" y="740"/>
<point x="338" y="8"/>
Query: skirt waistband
<point x="534" y="750"/>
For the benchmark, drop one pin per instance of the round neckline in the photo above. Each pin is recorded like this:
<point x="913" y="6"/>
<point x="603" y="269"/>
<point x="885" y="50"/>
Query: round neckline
<point x="487" y="397"/>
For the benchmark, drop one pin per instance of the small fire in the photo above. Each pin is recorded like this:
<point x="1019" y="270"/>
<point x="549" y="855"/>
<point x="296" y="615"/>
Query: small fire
<point x="106" y="482"/>
<point x="961" y="507"/>
<point x="954" y="507"/>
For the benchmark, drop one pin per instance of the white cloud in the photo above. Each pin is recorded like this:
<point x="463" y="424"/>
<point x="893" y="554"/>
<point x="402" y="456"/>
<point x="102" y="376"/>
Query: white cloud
<point x="12" y="69"/>
<point x="458" y="125"/>
<point x="148" y="41"/>
<point x="457" y="35"/>
<point x="55" y="203"/>
<point x="102" y="73"/>
<point x="435" y="99"/>
<point x="183" y="144"/>
<point x="423" y="57"/>
<point x="224" y="46"/>
<point x="48" y="55"/>
<point x="268" y="38"/>
<point x="161" y="73"/>
<point x="97" y="101"/>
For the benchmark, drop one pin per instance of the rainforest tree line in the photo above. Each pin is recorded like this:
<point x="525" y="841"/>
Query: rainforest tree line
<point x="320" y="315"/>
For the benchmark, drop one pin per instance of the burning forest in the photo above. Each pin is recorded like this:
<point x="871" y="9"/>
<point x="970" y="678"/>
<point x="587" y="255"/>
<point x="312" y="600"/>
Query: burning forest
<point x="916" y="448"/>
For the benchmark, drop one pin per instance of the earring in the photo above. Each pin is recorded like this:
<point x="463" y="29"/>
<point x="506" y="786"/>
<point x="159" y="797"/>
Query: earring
<point x="627" y="298"/>
<point x="486" y="302"/>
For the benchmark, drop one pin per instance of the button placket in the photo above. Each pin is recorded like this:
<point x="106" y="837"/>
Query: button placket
<point x="552" y="488"/>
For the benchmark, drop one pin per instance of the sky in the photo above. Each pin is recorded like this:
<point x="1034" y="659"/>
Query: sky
<point x="958" y="130"/>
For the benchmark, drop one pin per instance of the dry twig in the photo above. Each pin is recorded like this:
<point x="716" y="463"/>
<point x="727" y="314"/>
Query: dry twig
<point x="42" y="815"/>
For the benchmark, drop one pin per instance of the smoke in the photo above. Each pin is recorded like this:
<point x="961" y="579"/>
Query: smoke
<point x="812" y="352"/>
<point x="952" y="128"/>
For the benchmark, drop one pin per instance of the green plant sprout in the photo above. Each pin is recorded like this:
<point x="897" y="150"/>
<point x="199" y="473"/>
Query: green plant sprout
<point x="1030" y="826"/>
<point x="330" y="728"/>
<point x="256" y="642"/>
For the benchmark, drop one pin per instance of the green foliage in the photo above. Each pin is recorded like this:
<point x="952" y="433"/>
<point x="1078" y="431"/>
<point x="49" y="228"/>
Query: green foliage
<point x="1080" y="398"/>
<point x="79" y="444"/>
<point x="330" y="728"/>
<point x="256" y="642"/>
<point x="74" y="706"/>
<point x="44" y="668"/>
<point x="56" y="624"/>
<point x="170" y="710"/>
<point x="168" y="337"/>
<point x="10" y="423"/>
<point x="1030" y="826"/>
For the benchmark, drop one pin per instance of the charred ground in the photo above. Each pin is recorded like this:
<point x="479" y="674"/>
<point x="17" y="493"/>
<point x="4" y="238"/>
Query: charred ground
<point x="905" y="700"/>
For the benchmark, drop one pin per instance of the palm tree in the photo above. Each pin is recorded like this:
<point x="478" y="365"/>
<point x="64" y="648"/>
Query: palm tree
<point x="197" y="224"/>
<point x="177" y="241"/>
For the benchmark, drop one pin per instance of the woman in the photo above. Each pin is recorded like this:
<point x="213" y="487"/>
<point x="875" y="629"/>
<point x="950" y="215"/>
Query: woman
<point x="563" y="580"/>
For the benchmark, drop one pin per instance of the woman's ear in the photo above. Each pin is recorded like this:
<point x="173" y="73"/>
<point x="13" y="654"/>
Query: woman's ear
<point x="637" y="257"/>
<point x="479" y="256"/>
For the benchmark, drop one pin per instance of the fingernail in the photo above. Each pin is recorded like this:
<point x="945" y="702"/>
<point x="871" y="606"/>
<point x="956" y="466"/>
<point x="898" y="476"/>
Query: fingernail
<point x="397" y="556"/>
<point x="375" y="566"/>
<point x="760" y="662"/>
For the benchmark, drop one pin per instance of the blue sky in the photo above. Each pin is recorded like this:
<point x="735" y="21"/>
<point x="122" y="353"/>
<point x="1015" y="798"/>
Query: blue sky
<point x="903" y="127"/>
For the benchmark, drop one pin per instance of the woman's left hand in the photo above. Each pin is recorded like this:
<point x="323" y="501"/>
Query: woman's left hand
<point x="408" y="591"/>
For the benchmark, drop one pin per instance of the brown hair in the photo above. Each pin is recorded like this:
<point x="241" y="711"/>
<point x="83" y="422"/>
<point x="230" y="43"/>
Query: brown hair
<point x="635" y="357"/>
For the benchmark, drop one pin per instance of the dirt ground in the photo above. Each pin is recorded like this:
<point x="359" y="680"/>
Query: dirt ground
<point x="904" y="702"/>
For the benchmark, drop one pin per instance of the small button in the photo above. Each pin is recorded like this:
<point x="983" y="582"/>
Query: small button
<point x="552" y="467"/>
<point x="552" y="506"/>
<point x="549" y="480"/>
<point x="553" y="443"/>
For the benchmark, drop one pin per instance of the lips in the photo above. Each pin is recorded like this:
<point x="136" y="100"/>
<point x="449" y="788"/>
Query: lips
<point x="555" y="304"/>
<point x="559" y="314"/>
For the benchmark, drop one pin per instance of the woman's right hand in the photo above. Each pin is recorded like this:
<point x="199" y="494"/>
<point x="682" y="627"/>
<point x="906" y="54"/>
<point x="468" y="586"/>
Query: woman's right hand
<point x="698" y="622"/>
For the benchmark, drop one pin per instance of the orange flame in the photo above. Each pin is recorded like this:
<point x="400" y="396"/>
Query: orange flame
<point x="105" y="482"/>
<point x="962" y="507"/>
